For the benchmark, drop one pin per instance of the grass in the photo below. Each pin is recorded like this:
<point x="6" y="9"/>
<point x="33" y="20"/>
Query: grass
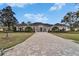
<point x="71" y="35"/>
<point x="14" y="38"/>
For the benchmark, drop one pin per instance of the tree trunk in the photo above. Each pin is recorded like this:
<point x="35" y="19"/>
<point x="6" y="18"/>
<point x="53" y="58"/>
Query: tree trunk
<point x="7" y="34"/>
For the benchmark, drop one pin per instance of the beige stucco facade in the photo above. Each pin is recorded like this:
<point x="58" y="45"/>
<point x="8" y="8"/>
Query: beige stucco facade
<point x="37" y="27"/>
<point x="40" y="28"/>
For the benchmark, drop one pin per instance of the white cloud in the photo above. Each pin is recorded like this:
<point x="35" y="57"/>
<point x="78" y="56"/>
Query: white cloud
<point x="18" y="4"/>
<point x="57" y="6"/>
<point x="36" y="17"/>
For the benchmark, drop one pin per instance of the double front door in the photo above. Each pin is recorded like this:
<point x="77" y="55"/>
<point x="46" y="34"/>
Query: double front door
<point x="41" y="29"/>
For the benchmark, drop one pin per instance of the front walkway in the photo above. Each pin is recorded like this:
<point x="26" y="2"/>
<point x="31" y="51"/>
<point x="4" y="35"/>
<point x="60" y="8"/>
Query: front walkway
<point x="42" y="43"/>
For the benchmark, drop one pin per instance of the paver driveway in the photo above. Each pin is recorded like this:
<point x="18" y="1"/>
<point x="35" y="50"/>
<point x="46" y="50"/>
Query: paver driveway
<point x="42" y="43"/>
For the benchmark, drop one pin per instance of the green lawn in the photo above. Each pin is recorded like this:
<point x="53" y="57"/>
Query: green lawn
<point x="73" y="36"/>
<point x="14" y="38"/>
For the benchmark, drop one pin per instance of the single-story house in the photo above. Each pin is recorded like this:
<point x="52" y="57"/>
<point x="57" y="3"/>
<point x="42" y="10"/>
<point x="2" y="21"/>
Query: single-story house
<point x="41" y="27"/>
<point x="38" y="27"/>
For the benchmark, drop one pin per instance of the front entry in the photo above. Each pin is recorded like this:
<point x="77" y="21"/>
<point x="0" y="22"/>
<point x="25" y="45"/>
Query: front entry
<point x="41" y="29"/>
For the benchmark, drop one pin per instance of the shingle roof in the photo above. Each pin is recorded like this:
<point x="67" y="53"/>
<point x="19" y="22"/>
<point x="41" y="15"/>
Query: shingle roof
<point x="39" y="23"/>
<point x="58" y="24"/>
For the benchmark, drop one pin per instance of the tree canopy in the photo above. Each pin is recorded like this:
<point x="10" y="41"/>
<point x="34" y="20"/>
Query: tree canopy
<point x="72" y="19"/>
<point x="7" y="17"/>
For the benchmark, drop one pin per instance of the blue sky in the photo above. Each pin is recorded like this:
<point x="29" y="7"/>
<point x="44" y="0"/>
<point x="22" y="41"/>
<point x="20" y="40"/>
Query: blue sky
<point x="41" y="12"/>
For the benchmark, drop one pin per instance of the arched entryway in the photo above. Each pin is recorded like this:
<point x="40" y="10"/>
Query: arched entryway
<point x="41" y="29"/>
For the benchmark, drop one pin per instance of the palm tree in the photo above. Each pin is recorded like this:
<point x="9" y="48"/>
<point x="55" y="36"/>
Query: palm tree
<point x="28" y="23"/>
<point x="23" y="23"/>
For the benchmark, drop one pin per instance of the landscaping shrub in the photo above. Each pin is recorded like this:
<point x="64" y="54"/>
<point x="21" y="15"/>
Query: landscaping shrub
<point x="29" y="29"/>
<point x="55" y="29"/>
